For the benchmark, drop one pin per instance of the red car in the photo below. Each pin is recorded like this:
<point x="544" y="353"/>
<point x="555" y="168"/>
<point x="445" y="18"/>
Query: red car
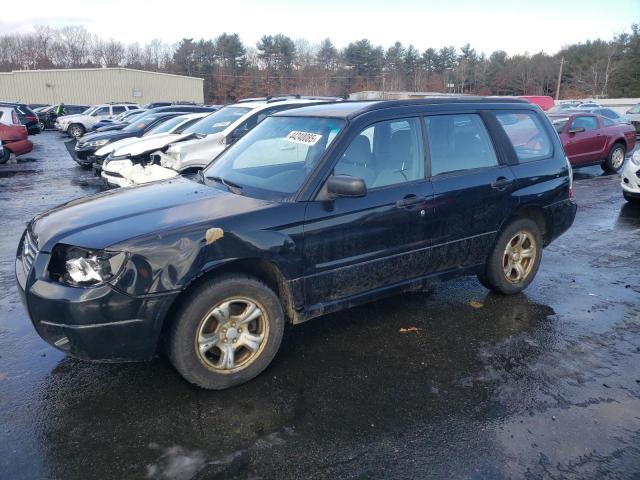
<point x="590" y="139"/>
<point x="545" y="102"/>
<point x="13" y="135"/>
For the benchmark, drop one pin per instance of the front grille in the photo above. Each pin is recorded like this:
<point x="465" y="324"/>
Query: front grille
<point x="29" y="251"/>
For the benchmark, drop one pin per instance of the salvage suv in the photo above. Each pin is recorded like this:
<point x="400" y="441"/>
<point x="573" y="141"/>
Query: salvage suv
<point x="316" y="209"/>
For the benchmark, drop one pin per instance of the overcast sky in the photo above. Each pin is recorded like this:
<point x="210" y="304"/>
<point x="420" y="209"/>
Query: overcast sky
<point x="514" y="26"/>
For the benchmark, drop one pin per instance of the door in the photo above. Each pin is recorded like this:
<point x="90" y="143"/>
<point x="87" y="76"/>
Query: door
<point x="584" y="146"/>
<point x="101" y="113"/>
<point x="356" y="245"/>
<point x="472" y="190"/>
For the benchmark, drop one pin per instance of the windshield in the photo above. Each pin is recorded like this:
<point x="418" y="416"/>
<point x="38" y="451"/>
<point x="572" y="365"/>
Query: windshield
<point x="167" y="126"/>
<point x="89" y="111"/>
<point x="218" y="121"/>
<point x="635" y="109"/>
<point x="273" y="160"/>
<point x="138" y="124"/>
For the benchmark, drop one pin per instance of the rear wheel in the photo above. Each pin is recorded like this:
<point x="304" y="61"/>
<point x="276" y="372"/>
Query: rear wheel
<point x="615" y="159"/>
<point x="5" y="154"/>
<point x="226" y="332"/>
<point x="515" y="258"/>
<point x="76" y="130"/>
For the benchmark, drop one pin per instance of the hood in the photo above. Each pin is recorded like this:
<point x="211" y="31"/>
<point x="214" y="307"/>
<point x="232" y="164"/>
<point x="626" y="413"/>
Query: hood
<point x="113" y="217"/>
<point x="70" y="117"/>
<point x="198" y="144"/>
<point x="110" y="147"/>
<point x="111" y="136"/>
<point x="150" y="144"/>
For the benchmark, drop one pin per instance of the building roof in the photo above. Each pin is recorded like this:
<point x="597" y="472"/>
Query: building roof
<point x="101" y="69"/>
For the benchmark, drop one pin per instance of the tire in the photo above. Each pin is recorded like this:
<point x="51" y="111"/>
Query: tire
<point x="626" y="196"/>
<point x="42" y="126"/>
<point x="76" y="130"/>
<point x="212" y="314"/>
<point x="5" y="155"/>
<point x="612" y="163"/>
<point x="495" y="276"/>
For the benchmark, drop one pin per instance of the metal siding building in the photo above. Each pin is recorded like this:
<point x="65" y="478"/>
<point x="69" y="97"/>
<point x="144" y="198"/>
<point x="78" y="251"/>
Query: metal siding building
<point x="98" y="85"/>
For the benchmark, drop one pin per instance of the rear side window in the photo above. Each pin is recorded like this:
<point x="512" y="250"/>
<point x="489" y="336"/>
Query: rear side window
<point x="458" y="143"/>
<point x="118" y="109"/>
<point x="527" y="134"/>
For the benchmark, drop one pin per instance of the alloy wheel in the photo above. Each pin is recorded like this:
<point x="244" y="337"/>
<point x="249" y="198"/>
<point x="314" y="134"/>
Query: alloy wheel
<point x="617" y="158"/>
<point x="232" y="335"/>
<point x="519" y="257"/>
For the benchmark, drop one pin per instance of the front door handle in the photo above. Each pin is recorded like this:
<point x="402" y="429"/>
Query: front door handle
<point x="501" y="183"/>
<point x="409" y="201"/>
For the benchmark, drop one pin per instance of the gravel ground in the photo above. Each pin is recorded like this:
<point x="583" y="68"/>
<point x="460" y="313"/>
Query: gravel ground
<point x="544" y="384"/>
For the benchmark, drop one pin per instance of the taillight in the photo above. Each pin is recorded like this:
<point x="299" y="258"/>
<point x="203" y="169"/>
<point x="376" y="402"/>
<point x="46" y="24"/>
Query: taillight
<point x="14" y="117"/>
<point x="570" y="171"/>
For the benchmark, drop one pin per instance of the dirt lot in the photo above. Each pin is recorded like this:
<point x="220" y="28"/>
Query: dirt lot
<point x="540" y="385"/>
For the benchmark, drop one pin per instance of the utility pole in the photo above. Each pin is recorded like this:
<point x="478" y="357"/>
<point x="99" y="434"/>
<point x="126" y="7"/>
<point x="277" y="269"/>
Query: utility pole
<point x="559" y="79"/>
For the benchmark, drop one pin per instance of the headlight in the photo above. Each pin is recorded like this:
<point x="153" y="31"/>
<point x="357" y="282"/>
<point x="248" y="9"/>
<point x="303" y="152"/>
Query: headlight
<point x="96" y="143"/>
<point x="81" y="267"/>
<point x="635" y="158"/>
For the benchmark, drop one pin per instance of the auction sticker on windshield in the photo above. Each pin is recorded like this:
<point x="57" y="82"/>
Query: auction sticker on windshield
<point x="304" y="137"/>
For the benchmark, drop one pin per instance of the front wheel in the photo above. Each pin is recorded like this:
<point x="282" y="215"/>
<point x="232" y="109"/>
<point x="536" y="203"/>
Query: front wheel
<point x="515" y="258"/>
<point x="615" y="159"/>
<point x="76" y="130"/>
<point x="226" y="332"/>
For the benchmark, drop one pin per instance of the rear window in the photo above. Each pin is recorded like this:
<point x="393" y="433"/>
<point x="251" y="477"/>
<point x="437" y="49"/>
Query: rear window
<point x="527" y="134"/>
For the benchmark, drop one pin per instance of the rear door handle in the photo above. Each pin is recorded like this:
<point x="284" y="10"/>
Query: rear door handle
<point x="409" y="201"/>
<point x="501" y="183"/>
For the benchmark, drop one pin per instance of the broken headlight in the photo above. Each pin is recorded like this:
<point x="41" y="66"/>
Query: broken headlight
<point x="81" y="267"/>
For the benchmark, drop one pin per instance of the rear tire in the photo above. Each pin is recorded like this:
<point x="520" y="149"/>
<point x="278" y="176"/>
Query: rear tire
<point x="5" y="155"/>
<point x="226" y="332"/>
<point x="515" y="258"/>
<point x="76" y="130"/>
<point x="615" y="159"/>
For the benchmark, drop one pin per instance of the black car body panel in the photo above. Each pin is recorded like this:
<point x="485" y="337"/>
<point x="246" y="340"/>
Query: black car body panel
<point x="322" y="255"/>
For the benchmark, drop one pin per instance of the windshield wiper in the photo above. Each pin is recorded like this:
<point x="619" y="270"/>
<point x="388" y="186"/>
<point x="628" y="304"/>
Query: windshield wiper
<point x="233" y="187"/>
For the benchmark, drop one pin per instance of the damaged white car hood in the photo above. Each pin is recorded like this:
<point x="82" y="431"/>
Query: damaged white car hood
<point x="149" y="144"/>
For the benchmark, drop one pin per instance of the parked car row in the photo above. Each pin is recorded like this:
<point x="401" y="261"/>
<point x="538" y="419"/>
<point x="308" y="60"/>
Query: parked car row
<point x="311" y="206"/>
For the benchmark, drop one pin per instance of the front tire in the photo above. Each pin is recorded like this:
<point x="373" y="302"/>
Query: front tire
<point x="76" y="130"/>
<point x="515" y="258"/>
<point x="615" y="159"/>
<point x="226" y="332"/>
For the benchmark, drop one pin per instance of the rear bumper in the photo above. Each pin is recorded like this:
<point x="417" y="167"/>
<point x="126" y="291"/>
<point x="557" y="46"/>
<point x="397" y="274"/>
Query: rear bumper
<point x="19" y="147"/>
<point x="560" y="217"/>
<point x="98" y="323"/>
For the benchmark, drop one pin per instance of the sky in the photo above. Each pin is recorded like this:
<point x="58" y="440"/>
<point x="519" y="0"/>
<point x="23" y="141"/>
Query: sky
<point x="488" y="25"/>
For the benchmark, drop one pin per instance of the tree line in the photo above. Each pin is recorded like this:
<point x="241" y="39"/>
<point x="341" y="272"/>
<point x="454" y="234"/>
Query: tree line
<point x="278" y="64"/>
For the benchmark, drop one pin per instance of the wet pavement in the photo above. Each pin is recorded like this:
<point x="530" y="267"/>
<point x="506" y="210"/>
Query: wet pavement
<point x="452" y="383"/>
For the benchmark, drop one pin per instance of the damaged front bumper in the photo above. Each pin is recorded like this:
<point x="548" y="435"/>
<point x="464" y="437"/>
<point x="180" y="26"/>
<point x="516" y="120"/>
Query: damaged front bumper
<point x="100" y="323"/>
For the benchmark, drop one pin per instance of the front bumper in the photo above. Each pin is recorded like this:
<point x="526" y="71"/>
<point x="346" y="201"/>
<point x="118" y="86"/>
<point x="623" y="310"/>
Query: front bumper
<point x="630" y="178"/>
<point x="83" y="153"/>
<point x="99" y="323"/>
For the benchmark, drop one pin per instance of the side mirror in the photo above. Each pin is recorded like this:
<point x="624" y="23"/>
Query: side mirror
<point x="576" y="130"/>
<point x="346" y="186"/>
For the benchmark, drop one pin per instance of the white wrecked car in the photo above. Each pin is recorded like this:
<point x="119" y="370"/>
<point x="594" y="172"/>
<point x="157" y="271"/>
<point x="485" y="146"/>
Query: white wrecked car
<point x="170" y="129"/>
<point x="630" y="178"/>
<point x="208" y="138"/>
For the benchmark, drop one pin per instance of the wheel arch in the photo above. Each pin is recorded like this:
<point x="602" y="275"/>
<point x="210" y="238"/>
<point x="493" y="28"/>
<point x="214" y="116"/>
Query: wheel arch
<point x="260" y="269"/>
<point x="535" y="213"/>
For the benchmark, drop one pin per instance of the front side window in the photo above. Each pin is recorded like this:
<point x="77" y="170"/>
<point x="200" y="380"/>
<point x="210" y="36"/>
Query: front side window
<point x="527" y="135"/>
<point x="273" y="160"/>
<point x="588" y="123"/>
<point x="100" y="111"/>
<point x="385" y="153"/>
<point x="458" y="143"/>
